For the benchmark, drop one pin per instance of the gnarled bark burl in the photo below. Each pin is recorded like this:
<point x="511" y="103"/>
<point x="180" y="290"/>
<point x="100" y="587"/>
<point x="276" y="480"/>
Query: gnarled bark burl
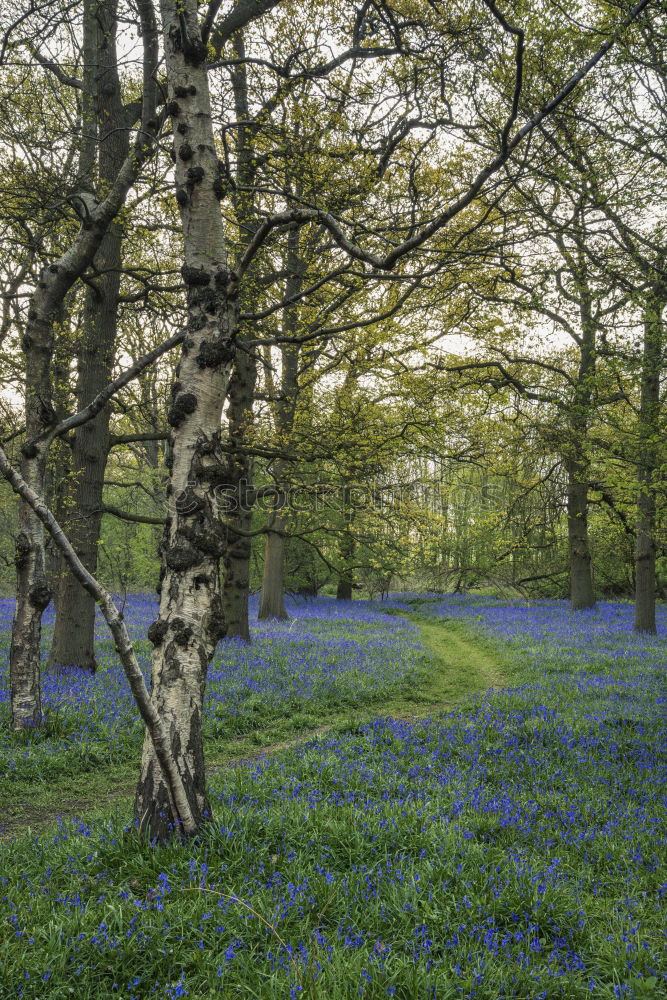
<point x="188" y="626"/>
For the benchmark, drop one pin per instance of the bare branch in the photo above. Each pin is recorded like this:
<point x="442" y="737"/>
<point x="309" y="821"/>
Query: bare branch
<point x="117" y="439"/>
<point x="58" y="71"/>
<point x="103" y="397"/>
<point x="303" y="216"/>
<point x="125" y="515"/>
<point x="518" y="79"/>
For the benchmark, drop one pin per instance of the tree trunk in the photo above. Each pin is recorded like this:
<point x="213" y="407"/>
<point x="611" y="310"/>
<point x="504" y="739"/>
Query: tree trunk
<point x="236" y="585"/>
<point x="236" y="579"/>
<point x="582" y="594"/>
<point x="239" y="547"/>
<point x="121" y="638"/>
<point x="46" y="303"/>
<point x="35" y="560"/>
<point x="73" y="636"/>
<point x="33" y="590"/>
<point x="32" y="597"/>
<point x="187" y="629"/>
<point x="346" y="551"/>
<point x="272" y="604"/>
<point x="647" y="466"/>
<point x="645" y="559"/>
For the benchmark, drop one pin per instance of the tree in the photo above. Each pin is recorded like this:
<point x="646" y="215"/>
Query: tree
<point x="107" y="122"/>
<point x="648" y="463"/>
<point x="171" y="794"/>
<point x="55" y="282"/>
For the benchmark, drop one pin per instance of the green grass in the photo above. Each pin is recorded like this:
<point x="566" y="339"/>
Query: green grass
<point x="465" y="663"/>
<point x="510" y="849"/>
<point x="458" y="663"/>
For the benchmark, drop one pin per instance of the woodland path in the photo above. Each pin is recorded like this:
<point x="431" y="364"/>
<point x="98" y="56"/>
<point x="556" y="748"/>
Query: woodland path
<point x="464" y="664"/>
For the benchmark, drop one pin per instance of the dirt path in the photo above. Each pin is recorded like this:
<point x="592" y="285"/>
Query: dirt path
<point x="119" y="791"/>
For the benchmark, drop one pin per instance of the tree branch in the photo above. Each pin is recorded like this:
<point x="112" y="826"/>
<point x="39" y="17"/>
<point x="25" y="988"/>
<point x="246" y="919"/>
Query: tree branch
<point x="117" y="439"/>
<point x="303" y="216"/>
<point x="122" y="641"/>
<point x="58" y="71"/>
<point x="125" y="515"/>
<point x="518" y="78"/>
<point x="103" y="397"/>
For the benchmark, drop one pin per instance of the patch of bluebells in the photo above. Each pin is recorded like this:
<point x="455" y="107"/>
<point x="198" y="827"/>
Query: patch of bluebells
<point x="513" y="848"/>
<point x="331" y="655"/>
<point x="589" y="663"/>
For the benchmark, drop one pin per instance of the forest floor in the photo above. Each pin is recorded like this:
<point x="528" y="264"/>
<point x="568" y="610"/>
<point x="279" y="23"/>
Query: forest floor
<point x="462" y="663"/>
<point x="463" y="802"/>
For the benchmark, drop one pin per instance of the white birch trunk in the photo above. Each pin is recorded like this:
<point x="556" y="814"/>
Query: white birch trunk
<point x="188" y="626"/>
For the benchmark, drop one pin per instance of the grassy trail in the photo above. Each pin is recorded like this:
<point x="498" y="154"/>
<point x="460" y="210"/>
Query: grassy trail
<point x="465" y="663"/>
<point x="462" y="664"/>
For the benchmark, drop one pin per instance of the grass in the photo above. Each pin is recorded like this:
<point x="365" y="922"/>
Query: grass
<point x="513" y="847"/>
<point x="68" y="781"/>
<point x="466" y="663"/>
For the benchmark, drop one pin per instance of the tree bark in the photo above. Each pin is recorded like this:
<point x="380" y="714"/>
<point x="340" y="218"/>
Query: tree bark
<point x="236" y="560"/>
<point x="272" y="604"/>
<point x="238" y="550"/>
<point x="55" y="281"/>
<point x="122" y="643"/>
<point x="187" y="629"/>
<point x="346" y="551"/>
<point x="236" y="583"/>
<point x="582" y="594"/>
<point x="73" y="636"/>
<point x="648" y="465"/>
<point x="32" y="590"/>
